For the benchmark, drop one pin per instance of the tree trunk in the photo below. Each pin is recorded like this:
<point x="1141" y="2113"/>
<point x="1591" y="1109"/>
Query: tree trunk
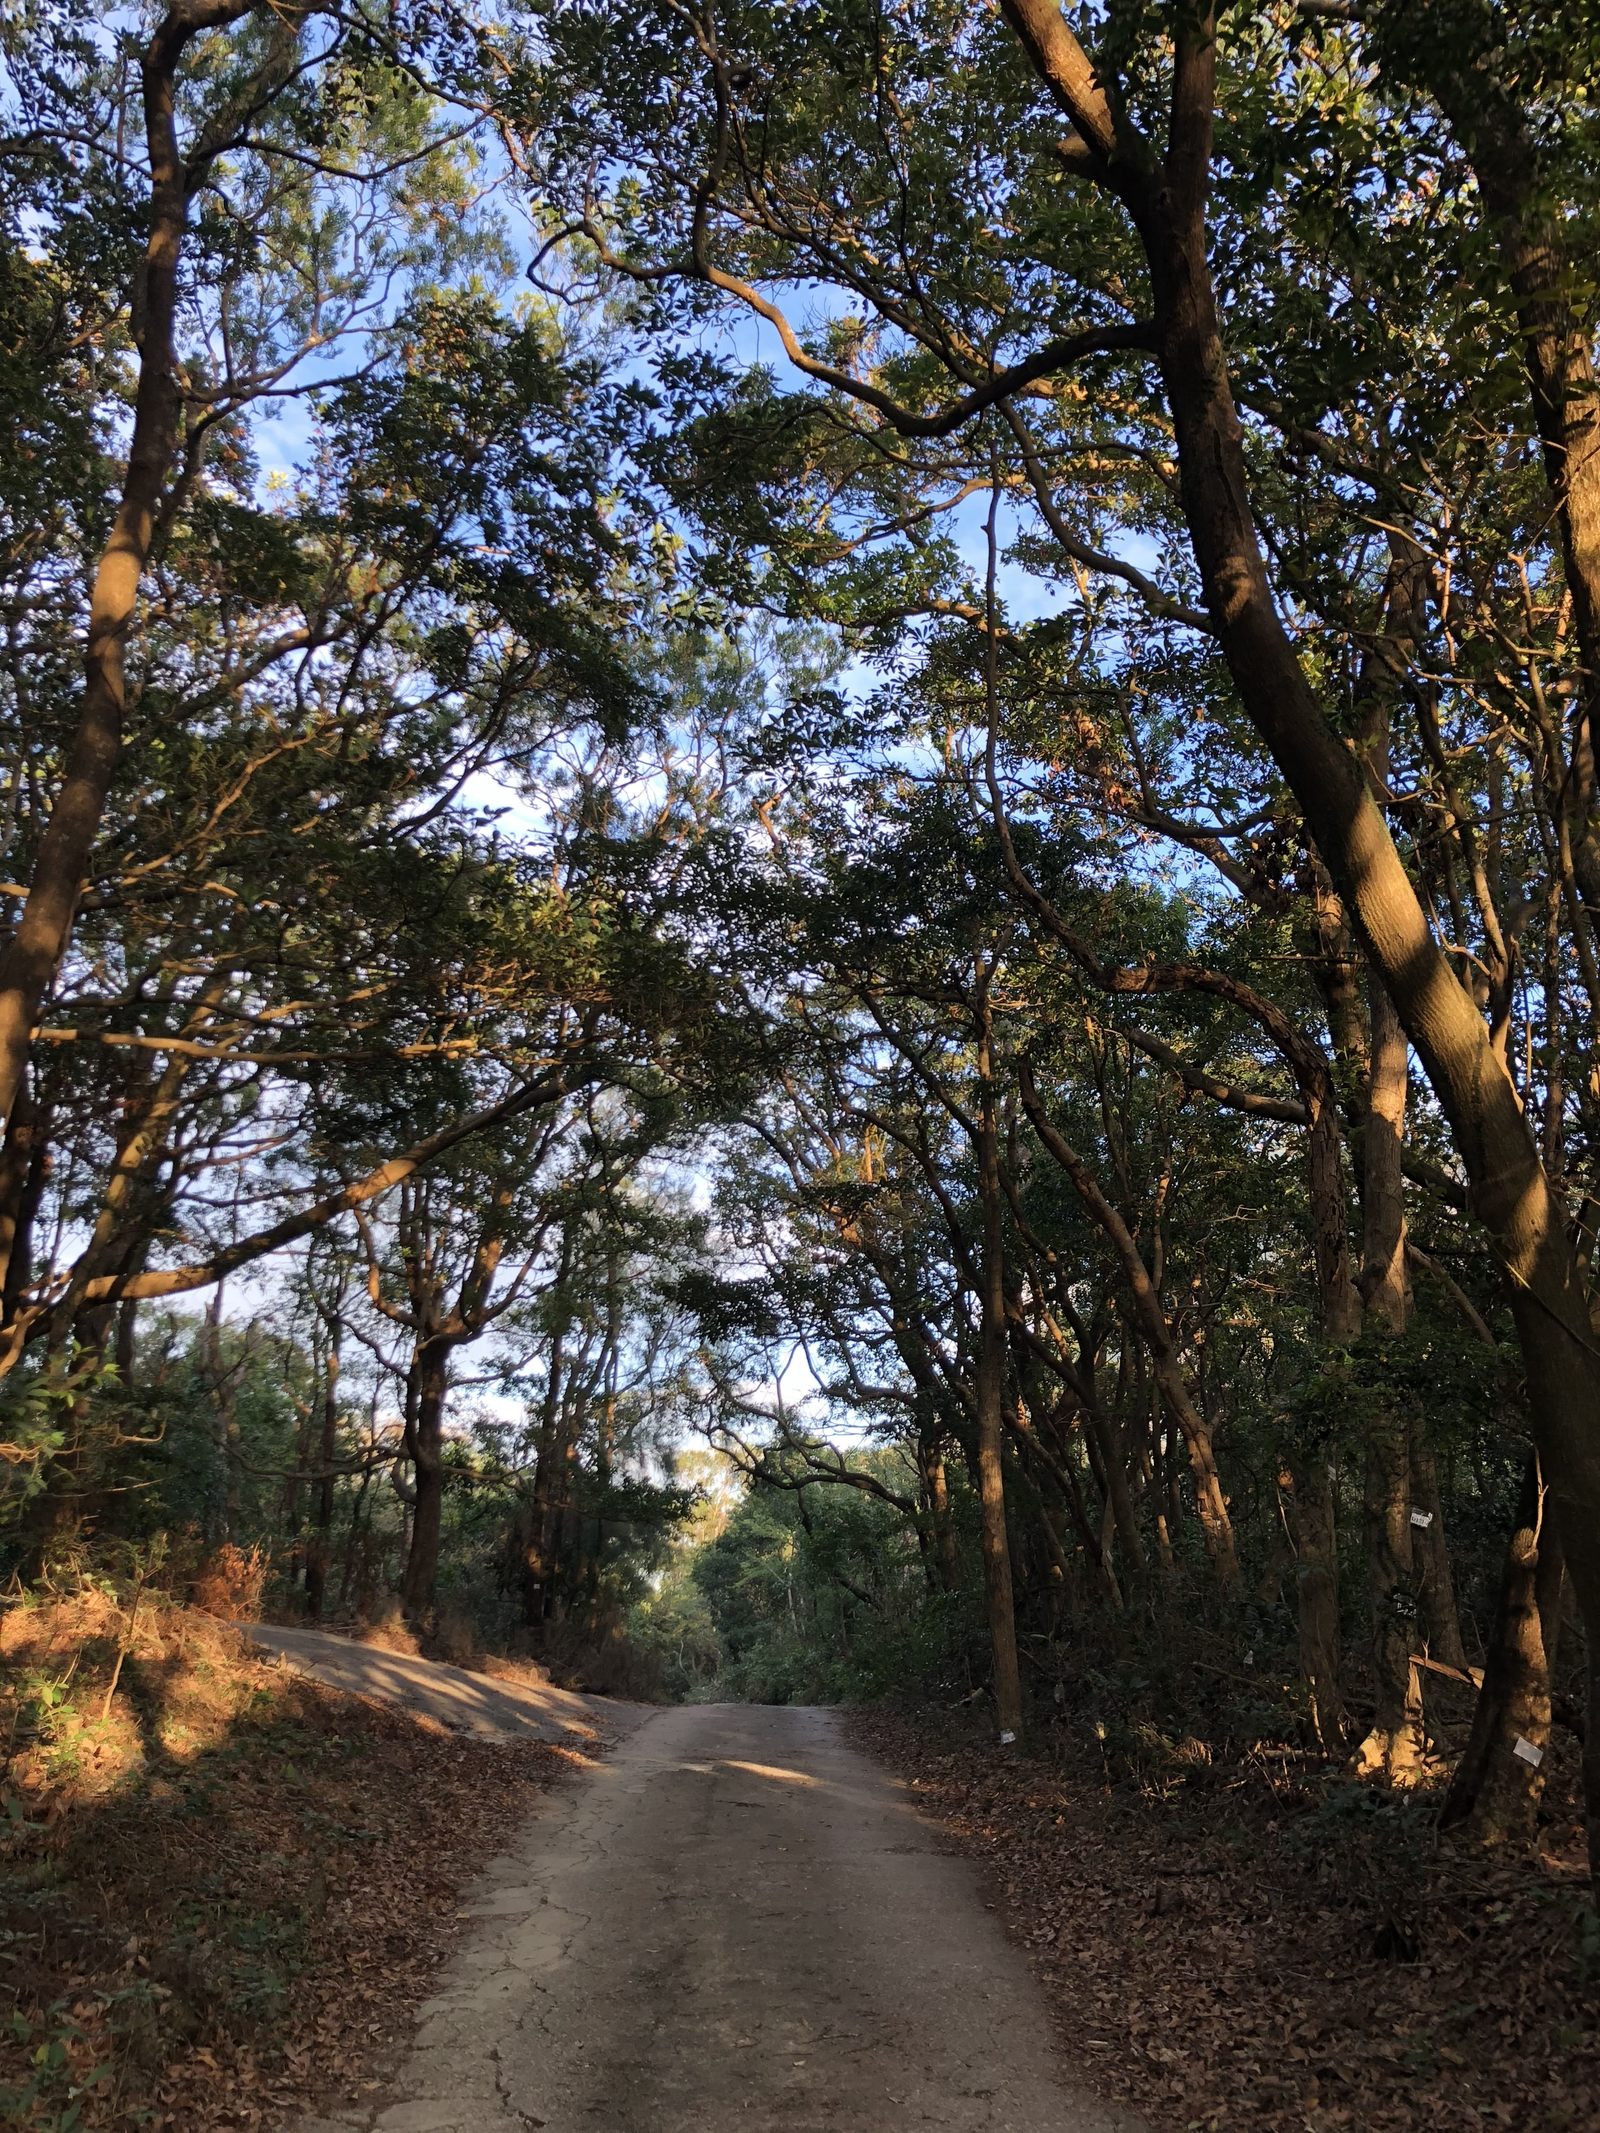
<point x="1308" y="1493"/>
<point x="223" y="1385"/>
<point x="349" y="1584"/>
<point x="1110" y="1441"/>
<point x="125" y="1351"/>
<point x="33" y="954"/>
<point x="1310" y="1474"/>
<point x="1394" y="1747"/>
<point x="528" y="1541"/>
<point x="1523" y="209"/>
<point x="1431" y="1548"/>
<point x="936" y="1502"/>
<point x="560" y="1523"/>
<point x="1163" y="1492"/>
<point x="1210" y="1502"/>
<point x="1494" y="1794"/>
<point x="1030" y="1436"/>
<point x="992" y="1349"/>
<point x="289" y="1512"/>
<point x="319" y="1549"/>
<point x="426" y="1446"/>
<point x="25" y="1163"/>
<point x="1511" y="1195"/>
<point x="534" y="1569"/>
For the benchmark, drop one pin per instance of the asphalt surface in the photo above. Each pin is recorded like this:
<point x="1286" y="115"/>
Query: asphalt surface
<point x="735" y="1924"/>
<point x="471" y="1703"/>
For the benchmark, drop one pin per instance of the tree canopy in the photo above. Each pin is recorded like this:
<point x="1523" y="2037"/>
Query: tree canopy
<point x="862" y="733"/>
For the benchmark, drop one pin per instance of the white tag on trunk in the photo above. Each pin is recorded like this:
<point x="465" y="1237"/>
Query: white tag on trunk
<point x="1422" y="1518"/>
<point x="1008" y="1740"/>
<point x="1528" y="1752"/>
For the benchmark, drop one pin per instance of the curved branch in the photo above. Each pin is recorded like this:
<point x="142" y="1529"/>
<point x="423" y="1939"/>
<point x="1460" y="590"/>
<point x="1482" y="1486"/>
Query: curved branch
<point x="176" y="1281"/>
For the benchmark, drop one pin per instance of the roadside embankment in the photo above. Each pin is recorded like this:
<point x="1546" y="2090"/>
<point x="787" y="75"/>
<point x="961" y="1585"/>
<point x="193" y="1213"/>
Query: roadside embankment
<point x="219" y="1879"/>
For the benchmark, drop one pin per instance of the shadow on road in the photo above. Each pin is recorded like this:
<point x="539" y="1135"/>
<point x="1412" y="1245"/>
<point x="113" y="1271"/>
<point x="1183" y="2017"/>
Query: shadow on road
<point x="468" y="1703"/>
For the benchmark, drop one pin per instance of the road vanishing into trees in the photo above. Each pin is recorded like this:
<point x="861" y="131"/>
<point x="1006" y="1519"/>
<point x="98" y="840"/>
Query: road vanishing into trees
<point x="735" y="1921"/>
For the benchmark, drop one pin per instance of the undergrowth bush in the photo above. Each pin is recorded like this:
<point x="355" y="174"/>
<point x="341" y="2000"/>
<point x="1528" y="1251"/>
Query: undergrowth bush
<point x="231" y="1582"/>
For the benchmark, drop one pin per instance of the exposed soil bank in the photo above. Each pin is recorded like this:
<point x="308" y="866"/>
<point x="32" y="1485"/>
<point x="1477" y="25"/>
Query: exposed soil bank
<point x="514" y="1703"/>
<point x="225" y="1886"/>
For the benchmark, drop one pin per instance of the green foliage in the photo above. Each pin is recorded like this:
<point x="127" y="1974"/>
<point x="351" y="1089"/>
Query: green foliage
<point x="1461" y="1386"/>
<point x="780" y="800"/>
<point x="672" y="1626"/>
<point x="39" y="1414"/>
<point x="50" y="2099"/>
<point x="820" y="1594"/>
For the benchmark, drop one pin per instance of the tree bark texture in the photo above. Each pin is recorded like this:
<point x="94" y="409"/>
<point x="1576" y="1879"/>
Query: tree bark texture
<point x="992" y="1352"/>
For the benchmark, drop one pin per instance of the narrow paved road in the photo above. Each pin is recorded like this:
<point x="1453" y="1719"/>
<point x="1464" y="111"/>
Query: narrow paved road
<point x="736" y="1923"/>
<point x="471" y="1703"/>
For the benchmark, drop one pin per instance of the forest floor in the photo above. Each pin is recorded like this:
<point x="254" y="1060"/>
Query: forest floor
<point x="222" y="1882"/>
<point x="1247" y="1950"/>
<point x="231" y="1895"/>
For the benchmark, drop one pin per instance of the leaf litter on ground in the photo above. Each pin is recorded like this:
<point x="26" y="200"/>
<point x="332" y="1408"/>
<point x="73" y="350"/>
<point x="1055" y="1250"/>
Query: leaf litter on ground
<point x="221" y="1908"/>
<point x="1256" y="1951"/>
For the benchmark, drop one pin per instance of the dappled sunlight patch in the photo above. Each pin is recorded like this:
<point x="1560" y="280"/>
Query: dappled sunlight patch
<point x="576" y="1759"/>
<point x="385" y="1629"/>
<point x="768" y="1770"/>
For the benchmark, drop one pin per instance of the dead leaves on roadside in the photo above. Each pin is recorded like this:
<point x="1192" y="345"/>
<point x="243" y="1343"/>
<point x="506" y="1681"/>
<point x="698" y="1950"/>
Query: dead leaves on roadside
<point x="1234" y="1960"/>
<point x="226" y="1939"/>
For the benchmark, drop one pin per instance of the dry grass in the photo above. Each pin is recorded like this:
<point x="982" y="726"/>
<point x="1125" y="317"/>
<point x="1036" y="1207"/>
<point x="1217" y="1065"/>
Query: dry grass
<point x="387" y="1629"/>
<point x="183" y="1680"/>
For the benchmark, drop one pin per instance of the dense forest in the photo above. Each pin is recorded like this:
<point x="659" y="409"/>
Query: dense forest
<point x="803" y="856"/>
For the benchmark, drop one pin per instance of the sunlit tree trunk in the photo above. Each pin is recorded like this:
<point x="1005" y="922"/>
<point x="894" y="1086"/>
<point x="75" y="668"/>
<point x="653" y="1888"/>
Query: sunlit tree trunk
<point x="1393" y="1748"/>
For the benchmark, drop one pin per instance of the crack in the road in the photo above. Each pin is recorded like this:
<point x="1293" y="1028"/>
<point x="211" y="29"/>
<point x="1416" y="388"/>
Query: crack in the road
<point x="508" y="2103"/>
